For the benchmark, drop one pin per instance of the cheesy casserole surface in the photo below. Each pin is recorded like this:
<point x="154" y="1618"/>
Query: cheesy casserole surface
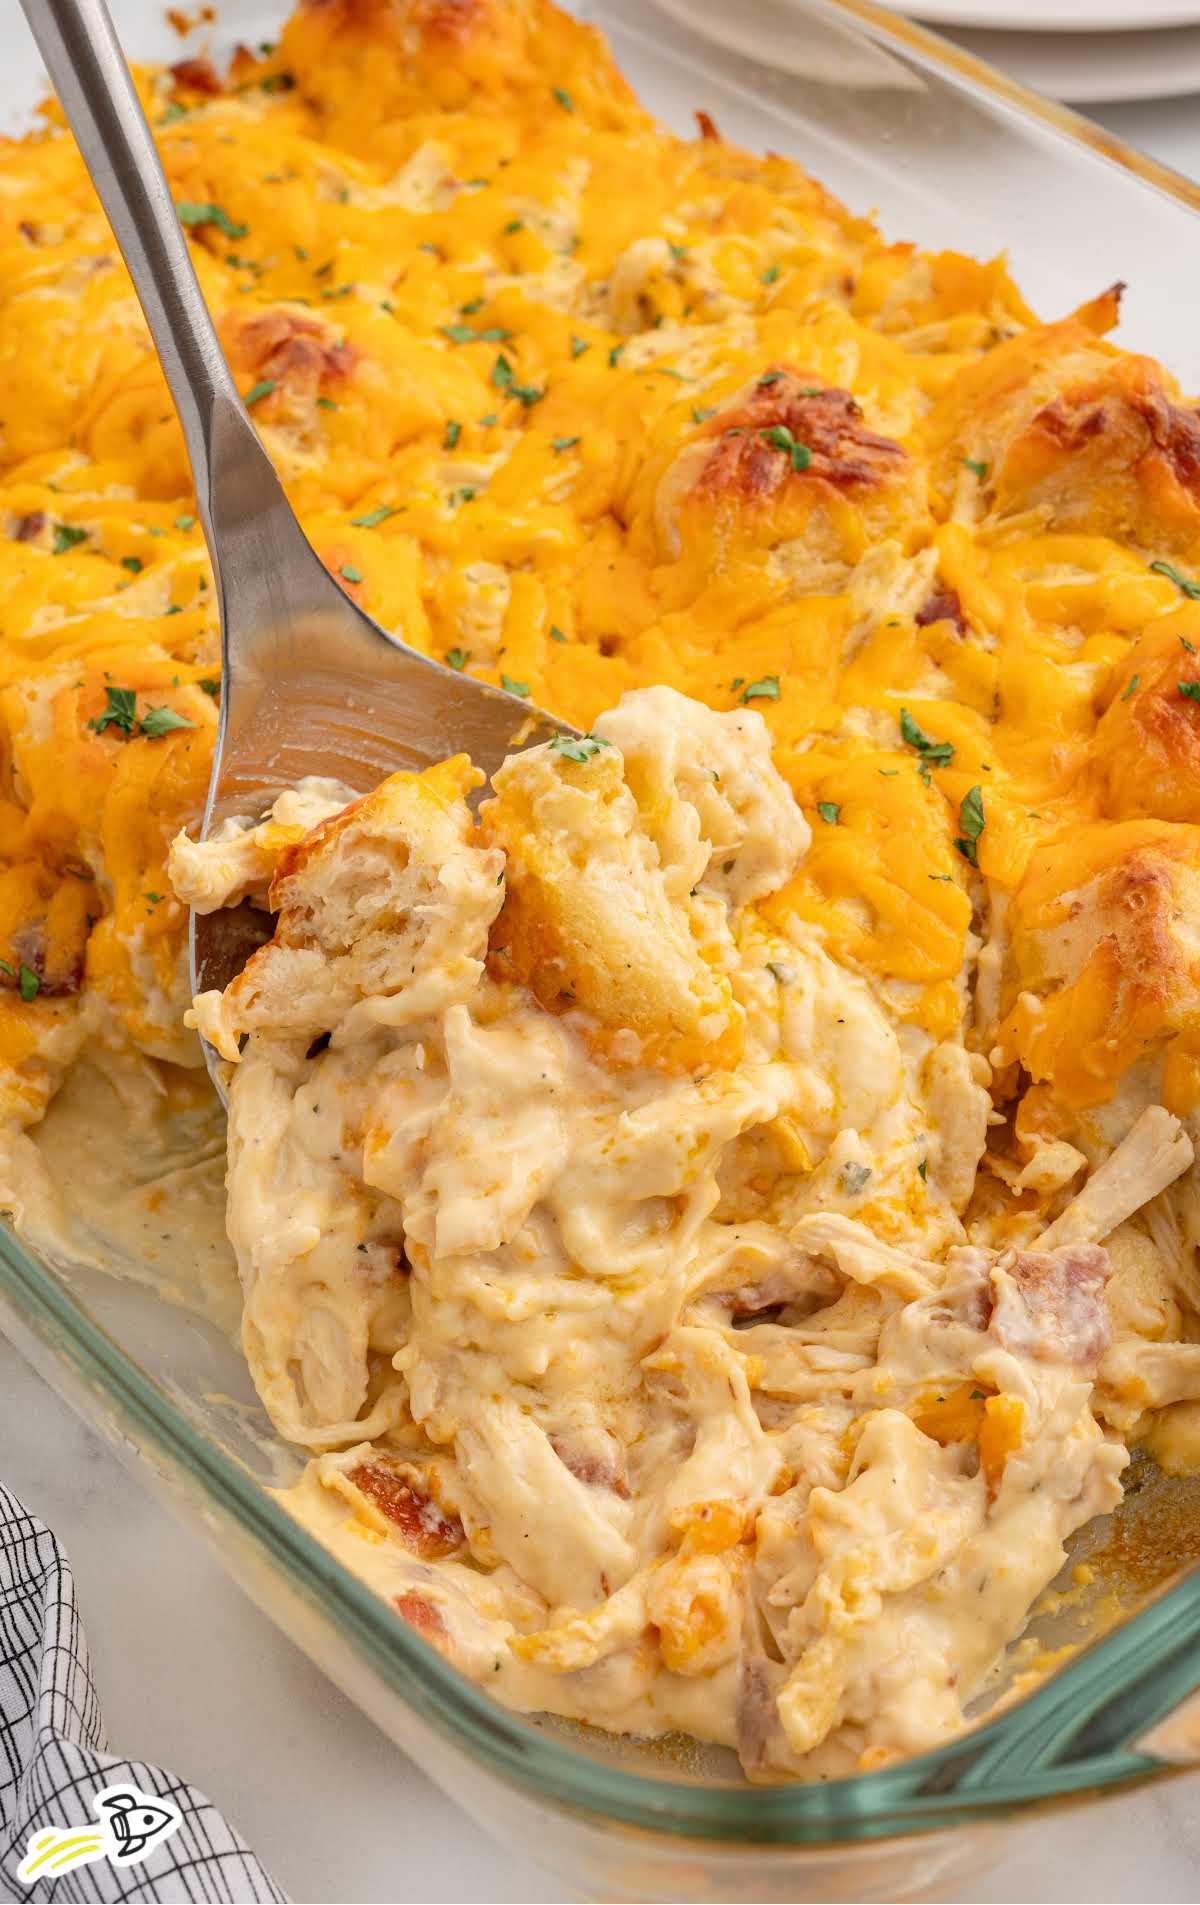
<point x="719" y="1222"/>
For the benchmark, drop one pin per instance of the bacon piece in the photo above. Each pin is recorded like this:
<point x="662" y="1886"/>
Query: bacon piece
<point x="595" y="1468"/>
<point x="942" y="606"/>
<point x="707" y="125"/>
<point x="198" y="76"/>
<point x="422" y="1615"/>
<point x="422" y="1525"/>
<point x="1049" y="1304"/>
<point x="30" y="527"/>
<point x="291" y="351"/>
<point x="751" y="460"/>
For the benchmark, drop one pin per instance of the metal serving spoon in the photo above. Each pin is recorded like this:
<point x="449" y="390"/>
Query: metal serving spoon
<point x="310" y="684"/>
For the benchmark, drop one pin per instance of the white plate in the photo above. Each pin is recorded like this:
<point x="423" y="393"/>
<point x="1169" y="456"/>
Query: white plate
<point x="1094" y="67"/>
<point x="1055" y="16"/>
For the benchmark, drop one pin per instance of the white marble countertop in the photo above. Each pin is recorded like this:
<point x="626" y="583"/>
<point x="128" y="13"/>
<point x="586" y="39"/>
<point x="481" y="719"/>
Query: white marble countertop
<point x="192" y="1676"/>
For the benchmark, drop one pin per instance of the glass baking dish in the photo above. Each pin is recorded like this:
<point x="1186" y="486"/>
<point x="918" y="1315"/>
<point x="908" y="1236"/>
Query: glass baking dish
<point x="948" y="154"/>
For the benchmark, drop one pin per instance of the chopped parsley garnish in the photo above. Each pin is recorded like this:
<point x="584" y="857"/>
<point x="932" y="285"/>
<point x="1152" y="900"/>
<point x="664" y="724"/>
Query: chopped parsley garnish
<point x="855" y="1177"/>
<point x="765" y="690"/>
<point x="972" y="820"/>
<point x="458" y="658"/>
<point x="701" y="413"/>
<point x="829" y="811"/>
<point x="770" y="275"/>
<point x="159" y="721"/>
<point x="781" y="438"/>
<point x="374" y="517"/>
<point x="502" y="372"/>
<point x="923" y="1169"/>
<point x="933" y="753"/>
<point x="1184" y="643"/>
<point x="678" y="252"/>
<point x="564" y="98"/>
<point x="185" y="523"/>
<point x="1135" y="681"/>
<point x="977" y="469"/>
<point x="614" y="356"/>
<point x="578" y="747"/>
<point x="132" y="563"/>
<point x="258" y="391"/>
<point x="514" y="687"/>
<point x="1190" y="690"/>
<point x="556" y="634"/>
<point x="462" y="496"/>
<point x="66" y="536"/>
<point x="120" y="711"/>
<point x="768" y="378"/>
<point x="190" y="214"/>
<point x="489" y="422"/>
<point x="349" y="573"/>
<point x="563" y="443"/>
<point x="514" y="225"/>
<point x="326" y="403"/>
<point x="1183" y="583"/>
<point x="174" y="111"/>
<point x="460" y="333"/>
<point x="579" y="345"/>
<point x="209" y="685"/>
<point x="453" y="433"/>
<point x="469" y="310"/>
<point x="28" y="984"/>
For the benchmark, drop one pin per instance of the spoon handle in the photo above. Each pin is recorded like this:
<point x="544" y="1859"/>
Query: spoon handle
<point x="83" y="56"/>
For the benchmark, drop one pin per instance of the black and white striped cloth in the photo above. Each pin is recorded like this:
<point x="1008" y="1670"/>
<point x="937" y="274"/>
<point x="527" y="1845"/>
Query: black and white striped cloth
<point x="53" y="1762"/>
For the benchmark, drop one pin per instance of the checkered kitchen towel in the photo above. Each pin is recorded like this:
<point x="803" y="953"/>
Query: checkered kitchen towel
<point x="153" y="1837"/>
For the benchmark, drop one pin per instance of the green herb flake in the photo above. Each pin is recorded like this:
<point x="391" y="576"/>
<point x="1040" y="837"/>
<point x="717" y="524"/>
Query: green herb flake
<point x="577" y="747"/>
<point x="469" y="310"/>
<point x="614" y="356"/>
<point x="28" y="984"/>
<point x="770" y="275"/>
<point x="972" y="820"/>
<point x="174" y="111"/>
<point x="1135" y="682"/>
<point x="678" y="252"/>
<point x="349" y="573"/>
<point x="579" y="345"/>
<point x="132" y="563"/>
<point x="563" y="443"/>
<point x="977" y="469"/>
<point x="1184" y="643"/>
<point x="373" y="517"/>
<point x="258" y="391"/>
<point x="514" y="225"/>
<point x="564" y="98"/>
<point x="159" y="721"/>
<point x="765" y="690"/>
<point x="458" y="658"/>
<point x="514" y="687"/>
<point x="1183" y="583"/>
<point x="829" y="811"/>
<point x="489" y="422"/>
<point x="1190" y="690"/>
<point x="452" y="434"/>
<point x="120" y="711"/>
<point x="701" y="413"/>
<point x="192" y="214"/>
<point x="502" y="373"/>
<point x="923" y="1170"/>
<point x="932" y="753"/>
<point x="781" y="438"/>
<point x="66" y="536"/>
<point x="556" y="634"/>
<point x="209" y="685"/>
<point x="460" y="333"/>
